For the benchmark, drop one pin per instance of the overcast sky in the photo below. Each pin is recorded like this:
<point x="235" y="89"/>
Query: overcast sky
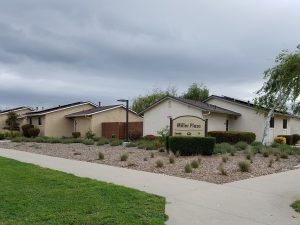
<point x="59" y="51"/>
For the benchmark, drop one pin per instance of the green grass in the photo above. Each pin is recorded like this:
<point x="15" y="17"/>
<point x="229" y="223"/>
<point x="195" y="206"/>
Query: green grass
<point x="33" y="195"/>
<point x="296" y="206"/>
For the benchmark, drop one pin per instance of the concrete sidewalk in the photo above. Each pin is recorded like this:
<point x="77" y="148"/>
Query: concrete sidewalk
<point x="262" y="200"/>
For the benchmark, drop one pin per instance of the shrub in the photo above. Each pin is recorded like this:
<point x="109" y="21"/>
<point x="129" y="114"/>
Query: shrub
<point x="192" y="145"/>
<point x="188" y="168"/>
<point x="115" y="142"/>
<point x="135" y="135"/>
<point x="232" y="152"/>
<point x="275" y="145"/>
<point x="124" y="156"/>
<point x="288" y="139"/>
<point x="33" y="132"/>
<point x="2" y="136"/>
<point x="152" y="155"/>
<point x="296" y="138"/>
<point x="131" y="145"/>
<point x="177" y="154"/>
<point x="195" y="164"/>
<point x="25" y="129"/>
<point x="102" y="141"/>
<point x="225" y="159"/>
<point x="222" y="148"/>
<point x="113" y="136"/>
<point x="232" y="137"/>
<point x="88" y="142"/>
<point x="280" y="140"/>
<point x="159" y="163"/>
<point x="100" y="156"/>
<point x="284" y="155"/>
<point x="157" y="144"/>
<point x="241" y="145"/>
<point x="244" y="166"/>
<point x="172" y="159"/>
<point x="76" y="134"/>
<point x="89" y="135"/>
<point x="266" y="152"/>
<point x="257" y="148"/>
<point x="271" y="162"/>
<point x="222" y="169"/>
<point x="256" y="143"/>
<point x="150" y="137"/>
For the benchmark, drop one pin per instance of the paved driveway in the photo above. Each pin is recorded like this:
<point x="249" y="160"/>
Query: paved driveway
<point x="262" y="200"/>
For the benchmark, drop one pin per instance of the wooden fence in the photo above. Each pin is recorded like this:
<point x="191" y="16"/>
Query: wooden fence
<point x="118" y="129"/>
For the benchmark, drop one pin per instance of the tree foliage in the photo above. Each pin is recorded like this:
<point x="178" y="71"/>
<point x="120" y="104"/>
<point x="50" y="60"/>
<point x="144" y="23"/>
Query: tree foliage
<point x="12" y="122"/>
<point x="142" y="102"/>
<point x="281" y="89"/>
<point x="197" y="92"/>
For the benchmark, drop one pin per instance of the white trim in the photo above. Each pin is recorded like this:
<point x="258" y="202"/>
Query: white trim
<point x="90" y="114"/>
<point x="12" y="110"/>
<point x="41" y="114"/>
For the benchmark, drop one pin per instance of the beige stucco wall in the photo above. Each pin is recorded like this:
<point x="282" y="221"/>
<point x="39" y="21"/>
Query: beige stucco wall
<point x="158" y="117"/>
<point x="3" y="118"/>
<point x="217" y="121"/>
<point x="295" y="126"/>
<point x="252" y="121"/>
<point x="114" y="115"/>
<point x="55" y="124"/>
<point x="83" y="125"/>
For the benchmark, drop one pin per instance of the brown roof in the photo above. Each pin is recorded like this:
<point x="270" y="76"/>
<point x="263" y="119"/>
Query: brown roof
<point x="198" y="104"/>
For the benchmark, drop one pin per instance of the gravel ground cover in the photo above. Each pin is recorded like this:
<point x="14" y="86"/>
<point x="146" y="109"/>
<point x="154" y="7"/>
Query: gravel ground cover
<point x="208" y="170"/>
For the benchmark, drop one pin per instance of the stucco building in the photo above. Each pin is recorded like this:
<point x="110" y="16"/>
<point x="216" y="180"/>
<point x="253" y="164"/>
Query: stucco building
<point x="223" y="114"/>
<point x="92" y="119"/>
<point x="20" y="111"/>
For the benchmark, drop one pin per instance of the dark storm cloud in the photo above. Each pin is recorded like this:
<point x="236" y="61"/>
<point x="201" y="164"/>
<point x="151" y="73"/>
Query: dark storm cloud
<point x="55" y="51"/>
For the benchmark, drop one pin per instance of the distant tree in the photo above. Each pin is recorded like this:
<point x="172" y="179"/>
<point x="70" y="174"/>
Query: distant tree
<point x="281" y="89"/>
<point x="142" y="102"/>
<point x="12" y="122"/>
<point x="197" y="92"/>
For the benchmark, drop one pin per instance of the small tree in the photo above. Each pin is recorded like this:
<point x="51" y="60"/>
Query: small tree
<point x="12" y="122"/>
<point x="282" y="87"/>
<point x="142" y="102"/>
<point x="197" y="92"/>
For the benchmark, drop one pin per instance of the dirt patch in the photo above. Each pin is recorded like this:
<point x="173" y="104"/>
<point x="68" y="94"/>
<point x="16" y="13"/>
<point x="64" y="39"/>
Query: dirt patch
<point x="142" y="160"/>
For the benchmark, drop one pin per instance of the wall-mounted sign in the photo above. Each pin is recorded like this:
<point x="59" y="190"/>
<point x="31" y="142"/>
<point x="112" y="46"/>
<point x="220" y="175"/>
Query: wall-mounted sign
<point x="188" y="126"/>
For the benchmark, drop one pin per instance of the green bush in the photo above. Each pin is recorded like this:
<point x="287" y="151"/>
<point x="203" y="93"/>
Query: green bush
<point x="192" y="145"/>
<point x="145" y="144"/>
<point x="76" y="134"/>
<point x="135" y="135"/>
<point x="100" y="156"/>
<point x="257" y="148"/>
<point x="2" y="136"/>
<point x="296" y="138"/>
<point x="222" y="148"/>
<point x="131" y="145"/>
<point x="102" y="141"/>
<point x="124" y="156"/>
<point x="256" y="143"/>
<point x="159" y="163"/>
<point x="188" y="168"/>
<point x="172" y="159"/>
<point x="225" y="159"/>
<point x="244" y="166"/>
<point x="33" y="132"/>
<point x="195" y="164"/>
<point x="232" y="137"/>
<point x="115" y="142"/>
<point x="222" y="169"/>
<point x="25" y="129"/>
<point x="90" y="135"/>
<point x="241" y="145"/>
<point x="88" y="142"/>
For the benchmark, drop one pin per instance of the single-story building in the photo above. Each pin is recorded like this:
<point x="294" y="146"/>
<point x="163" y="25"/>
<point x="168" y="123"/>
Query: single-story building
<point x="52" y="122"/>
<point x="93" y="119"/>
<point x="157" y="115"/>
<point x="223" y="114"/>
<point x="20" y="111"/>
<point x="251" y="120"/>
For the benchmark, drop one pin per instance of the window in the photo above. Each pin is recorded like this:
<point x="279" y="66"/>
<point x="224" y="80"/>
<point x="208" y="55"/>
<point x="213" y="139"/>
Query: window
<point x="227" y="125"/>
<point x="284" y="123"/>
<point x="30" y="121"/>
<point x="272" y="122"/>
<point x="40" y="121"/>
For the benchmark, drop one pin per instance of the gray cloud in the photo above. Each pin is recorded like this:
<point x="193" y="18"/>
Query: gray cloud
<point x="53" y="52"/>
